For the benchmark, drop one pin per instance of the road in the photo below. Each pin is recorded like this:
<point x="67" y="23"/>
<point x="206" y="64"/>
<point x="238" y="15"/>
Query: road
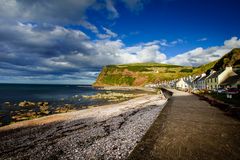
<point x="190" y="129"/>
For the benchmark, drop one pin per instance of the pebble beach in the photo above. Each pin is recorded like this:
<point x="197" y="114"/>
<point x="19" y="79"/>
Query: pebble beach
<point x="106" y="132"/>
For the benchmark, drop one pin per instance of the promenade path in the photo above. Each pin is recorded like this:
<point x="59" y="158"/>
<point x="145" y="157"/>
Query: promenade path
<point x="190" y="129"/>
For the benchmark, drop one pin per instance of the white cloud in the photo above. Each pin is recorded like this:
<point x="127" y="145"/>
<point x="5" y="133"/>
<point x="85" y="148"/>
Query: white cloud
<point x="151" y="53"/>
<point x="155" y="42"/>
<point x="177" y="41"/>
<point x="201" y="56"/>
<point x="89" y="26"/>
<point x="55" y="11"/>
<point x="45" y="49"/>
<point x="165" y="43"/>
<point x="203" y="39"/>
<point x="110" y="7"/>
<point x="108" y="34"/>
<point x="55" y="51"/>
<point x="234" y="42"/>
<point x="134" y="5"/>
<point x="115" y="52"/>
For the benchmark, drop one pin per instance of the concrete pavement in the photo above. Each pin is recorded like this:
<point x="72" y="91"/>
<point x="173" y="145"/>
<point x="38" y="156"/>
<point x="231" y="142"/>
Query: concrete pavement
<point x="189" y="128"/>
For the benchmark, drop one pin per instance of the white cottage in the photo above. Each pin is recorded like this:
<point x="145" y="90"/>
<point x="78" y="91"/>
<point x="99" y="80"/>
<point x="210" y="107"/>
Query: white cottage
<point x="182" y="84"/>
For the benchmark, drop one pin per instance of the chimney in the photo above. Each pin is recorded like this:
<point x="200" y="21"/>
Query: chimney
<point x="228" y="68"/>
<point x="212" y="71"/>
<point x="204" y="74"/>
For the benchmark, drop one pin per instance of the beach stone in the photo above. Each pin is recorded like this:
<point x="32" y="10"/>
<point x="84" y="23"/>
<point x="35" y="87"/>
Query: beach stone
<point x="43" y="106"/>
<point x="43" y="103"/>
<point x="26" y="104"/>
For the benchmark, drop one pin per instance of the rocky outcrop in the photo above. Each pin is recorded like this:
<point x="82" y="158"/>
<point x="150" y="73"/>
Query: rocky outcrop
<point x="26" y="104"/>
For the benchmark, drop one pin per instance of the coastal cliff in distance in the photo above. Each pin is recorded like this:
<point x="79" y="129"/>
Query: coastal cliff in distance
<point x="139" y="74"/>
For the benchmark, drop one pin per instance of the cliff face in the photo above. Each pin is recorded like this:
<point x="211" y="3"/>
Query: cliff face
<point x="139" y="74"/>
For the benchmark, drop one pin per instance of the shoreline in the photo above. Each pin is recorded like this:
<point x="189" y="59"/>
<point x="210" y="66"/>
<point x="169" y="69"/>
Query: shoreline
<point x="125" y="88"/>
<point x="62" y="116"/>
<point x="110" y="131"/>
<point x="29" y="110"/>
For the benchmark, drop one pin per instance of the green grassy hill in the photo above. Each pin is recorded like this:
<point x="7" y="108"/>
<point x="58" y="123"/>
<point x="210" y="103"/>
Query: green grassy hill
<point x="230" y="59"/>
<point x="139" y="74"/>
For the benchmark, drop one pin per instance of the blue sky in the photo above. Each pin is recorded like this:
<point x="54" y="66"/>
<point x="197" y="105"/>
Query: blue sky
<point x="55" y="41"/>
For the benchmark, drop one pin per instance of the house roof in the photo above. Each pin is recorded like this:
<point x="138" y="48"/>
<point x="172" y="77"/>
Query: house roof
<point x="196" y="79"/>
<point x="185" y="81"/>
<point x="215" y="74"/>
<point x="236" y="70"/>
<point x="202" y="78"/>
<point x="231" y="80"/>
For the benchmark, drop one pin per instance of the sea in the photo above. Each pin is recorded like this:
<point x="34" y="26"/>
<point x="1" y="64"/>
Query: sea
<point x="43" y="92"/>
<point x="55" y="95"/>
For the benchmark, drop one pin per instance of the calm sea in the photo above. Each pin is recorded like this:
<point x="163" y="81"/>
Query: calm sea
<point x="56" y="96"/>
<point x="40" y="92"/>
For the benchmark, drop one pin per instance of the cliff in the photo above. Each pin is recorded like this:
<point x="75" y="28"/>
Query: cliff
<point x="139" y="74"/>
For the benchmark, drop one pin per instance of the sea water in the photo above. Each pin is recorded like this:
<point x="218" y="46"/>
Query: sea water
<point x="55" y="95"/>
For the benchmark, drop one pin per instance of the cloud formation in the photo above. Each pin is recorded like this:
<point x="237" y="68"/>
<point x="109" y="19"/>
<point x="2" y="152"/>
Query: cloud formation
<point x="36" y="45"/>
<point x="134" y="5"/>
<point x="201" y="56"/>
<point x="54" y="11"/>
<point x="45" y="51"/>
<point x="202" y="39"/>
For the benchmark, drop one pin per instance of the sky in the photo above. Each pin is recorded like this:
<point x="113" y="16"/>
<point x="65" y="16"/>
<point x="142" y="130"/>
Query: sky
<point x="69" y="41"/>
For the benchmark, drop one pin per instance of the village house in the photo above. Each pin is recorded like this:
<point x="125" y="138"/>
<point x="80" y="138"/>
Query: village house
<point x="218" y="79"/>
<point x="232" y="82"/>
<point x="195" y="82"/>
<point x="212" y="80"/>
<point x="230" y="78"/>
<point x="228" y="72"/>
<point x="201" y="82"/>
<point x="183" y="83"/>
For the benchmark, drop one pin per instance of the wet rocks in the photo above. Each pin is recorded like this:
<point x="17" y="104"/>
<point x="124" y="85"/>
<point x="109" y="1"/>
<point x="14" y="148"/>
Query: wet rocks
<point x="43" y="106"/>
<point x="112" y="96"/>
<point x="64" y="109"/>
<point x="26" y="104"/>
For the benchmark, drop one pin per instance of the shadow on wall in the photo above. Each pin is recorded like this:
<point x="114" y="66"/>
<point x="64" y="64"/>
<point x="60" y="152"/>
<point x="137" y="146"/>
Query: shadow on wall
<point x="167" y="93"/>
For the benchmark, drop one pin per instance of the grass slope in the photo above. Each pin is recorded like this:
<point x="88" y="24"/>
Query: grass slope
<point x="138" y="74"/>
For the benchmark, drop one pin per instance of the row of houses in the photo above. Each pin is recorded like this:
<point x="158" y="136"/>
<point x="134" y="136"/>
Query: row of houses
<point x="227" y="78"/>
